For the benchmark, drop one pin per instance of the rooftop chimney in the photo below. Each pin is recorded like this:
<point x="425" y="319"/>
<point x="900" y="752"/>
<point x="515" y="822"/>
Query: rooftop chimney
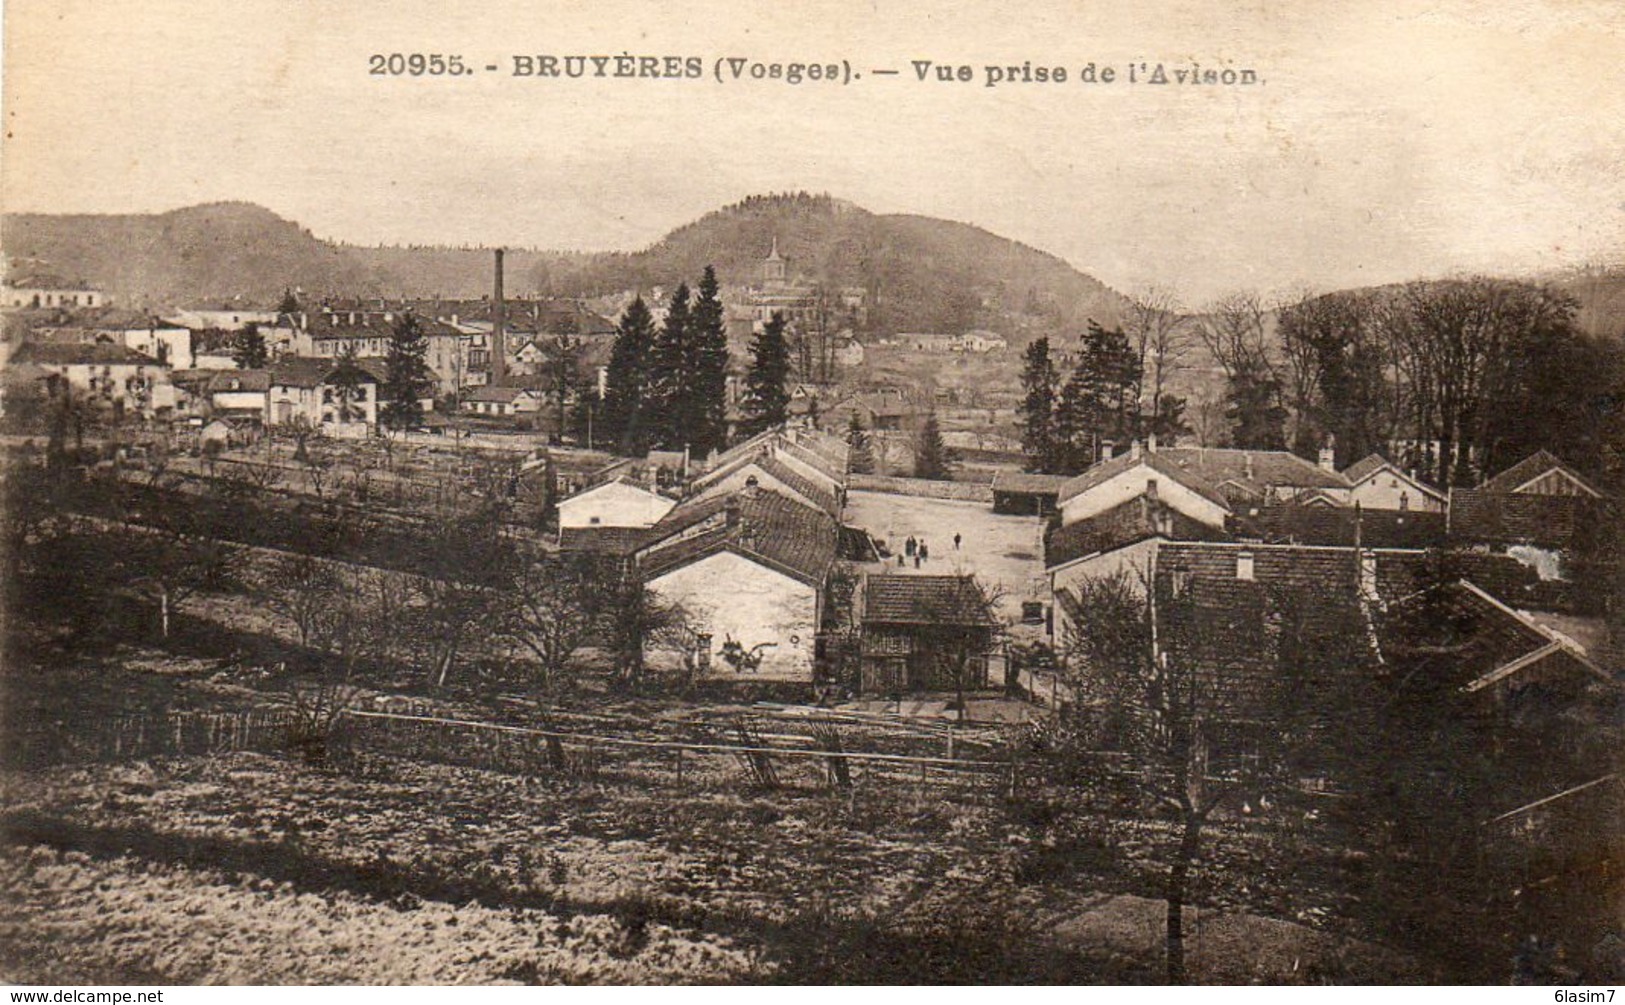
<point x="1328" y="456"/>
<point x="1151" y="444"/>
<point x="499" y="334"/>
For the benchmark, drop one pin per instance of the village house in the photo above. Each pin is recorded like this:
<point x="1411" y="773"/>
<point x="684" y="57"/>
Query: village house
<point x="615" y="503"/>
<point x="751" y="571"/>
<point x="769" y="469"/>
<point x="505" y="400"/>
<point x="1378" y="483"/>
<point x="1539" y="507"/>
<point x="121" y="380"/>
<point x="170" y="345"/>
<point x="925" y="633"/>
<point x="43" y="289"/>
<point x="339" y="396"/>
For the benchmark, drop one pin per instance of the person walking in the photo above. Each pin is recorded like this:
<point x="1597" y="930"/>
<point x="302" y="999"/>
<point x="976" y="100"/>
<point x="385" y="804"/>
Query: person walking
<point x="956" y="540"/>
<point x="925" y="552"/>
<point x="908" y="549"/>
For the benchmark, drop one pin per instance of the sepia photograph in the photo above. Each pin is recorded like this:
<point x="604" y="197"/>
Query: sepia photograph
<point x="1081" y="492"/>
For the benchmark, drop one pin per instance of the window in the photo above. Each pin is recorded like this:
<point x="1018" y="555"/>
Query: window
<point x="1244" y="565"/>
<point x="595" y="521"/>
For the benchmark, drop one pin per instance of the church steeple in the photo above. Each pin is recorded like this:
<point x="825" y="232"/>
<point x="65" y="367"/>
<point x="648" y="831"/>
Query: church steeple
<point x="773" y="267"/>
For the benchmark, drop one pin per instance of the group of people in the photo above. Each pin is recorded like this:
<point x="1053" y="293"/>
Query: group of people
<point x="919" y="551"/>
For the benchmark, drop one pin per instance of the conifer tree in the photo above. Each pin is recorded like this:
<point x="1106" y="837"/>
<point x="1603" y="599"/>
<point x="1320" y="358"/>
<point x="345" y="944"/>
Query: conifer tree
<point x="408" y="378"/>
<point x="667" y="401"/>
<point x="767" y="395"/>
<point x="707" y="382"/>
<point x="1041" y="382"/>
<point x="626" y="399"/>
<point x="248" y="348"/>
<point x="931" y="456"/>
<point x="861" y="452"/>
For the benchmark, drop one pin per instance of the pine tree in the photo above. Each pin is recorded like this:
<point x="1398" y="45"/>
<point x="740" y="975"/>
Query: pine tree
<point x="408" y="379"/>
<point x="625" y="419"/>
<point x="1254" y="411"/>
<point x="931" y="456"/>
<point x="1097" y="403"/>
<point x="1041" y="383"/>
<point x="669" y="397"/>
<point x="767" y="393"/>
<point x="707" y="381"/>
<point x="861" y="452"/>
<point x="348" y="385"/>
<point x="248" y="348"/>
<point x="289" y="304"/>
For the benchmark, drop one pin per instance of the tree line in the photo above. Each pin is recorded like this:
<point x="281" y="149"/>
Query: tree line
<point x="1457" y="377"/>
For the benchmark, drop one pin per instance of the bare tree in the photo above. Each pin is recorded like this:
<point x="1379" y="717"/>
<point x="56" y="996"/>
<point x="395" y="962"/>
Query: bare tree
<point x="552" y="613"/>
<point x="304" y="589"/>
<point x="1162" y="337"/>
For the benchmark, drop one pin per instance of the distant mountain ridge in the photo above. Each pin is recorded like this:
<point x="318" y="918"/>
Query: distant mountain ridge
<point x="921" y="273"/>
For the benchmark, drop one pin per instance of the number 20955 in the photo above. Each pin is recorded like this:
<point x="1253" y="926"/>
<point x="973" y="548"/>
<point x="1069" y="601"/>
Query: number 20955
<point x="415" y="64"/>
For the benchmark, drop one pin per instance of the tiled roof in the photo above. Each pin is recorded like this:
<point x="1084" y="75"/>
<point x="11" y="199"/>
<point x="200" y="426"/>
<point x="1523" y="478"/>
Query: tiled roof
<point x="812" y="458"/>
<point x="1480" y="516"/>
<point x="1527" y="470"/>
<point x="307" y="371"/>
<point x="1122" y="525"/>
<point x="773" y="529"/>
<point x="1292" y="523"/>
<point x="1268" y="467"/>
<point x="80" y="354"/>
<point x="602" y="540"/>
<point x="1022" y="482"/>
<point x="903" y="599"/>
<point x="1158" y="461"/>
<point x="251" y="381"/>
<point x="1458" y="635"/>
<point x="815" y="493"/>
<point x="1365" y="467"/>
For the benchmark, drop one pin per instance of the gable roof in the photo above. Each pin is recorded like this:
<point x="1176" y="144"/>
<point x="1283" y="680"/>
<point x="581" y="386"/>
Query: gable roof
<point x="779" y="471"/>
<point x="1130" y="521"/>
<point x="1158" y="461"/>
<point x="1530" y="468"/>
<point x="1268" y="467"/>
<point x="246" y="381"/>
<point x="771" y="529"/>
<point x="904" y="599"/>
<point x="309" y="371"/>
<point x="1373" y="464"/>
<point x="1462" y="636"/>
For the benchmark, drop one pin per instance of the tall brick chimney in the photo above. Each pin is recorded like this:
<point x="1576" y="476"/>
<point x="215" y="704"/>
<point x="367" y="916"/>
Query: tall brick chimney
<point x="499" y="327"/>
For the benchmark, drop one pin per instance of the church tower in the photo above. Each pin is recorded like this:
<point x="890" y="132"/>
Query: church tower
<point x="773" y="266"/>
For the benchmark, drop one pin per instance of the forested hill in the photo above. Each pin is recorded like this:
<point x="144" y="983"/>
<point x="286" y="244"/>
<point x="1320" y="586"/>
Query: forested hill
<point x="923" y="274"/>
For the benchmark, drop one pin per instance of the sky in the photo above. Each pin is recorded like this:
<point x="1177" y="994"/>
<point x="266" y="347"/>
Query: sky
<point x="1387" y="140"/>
